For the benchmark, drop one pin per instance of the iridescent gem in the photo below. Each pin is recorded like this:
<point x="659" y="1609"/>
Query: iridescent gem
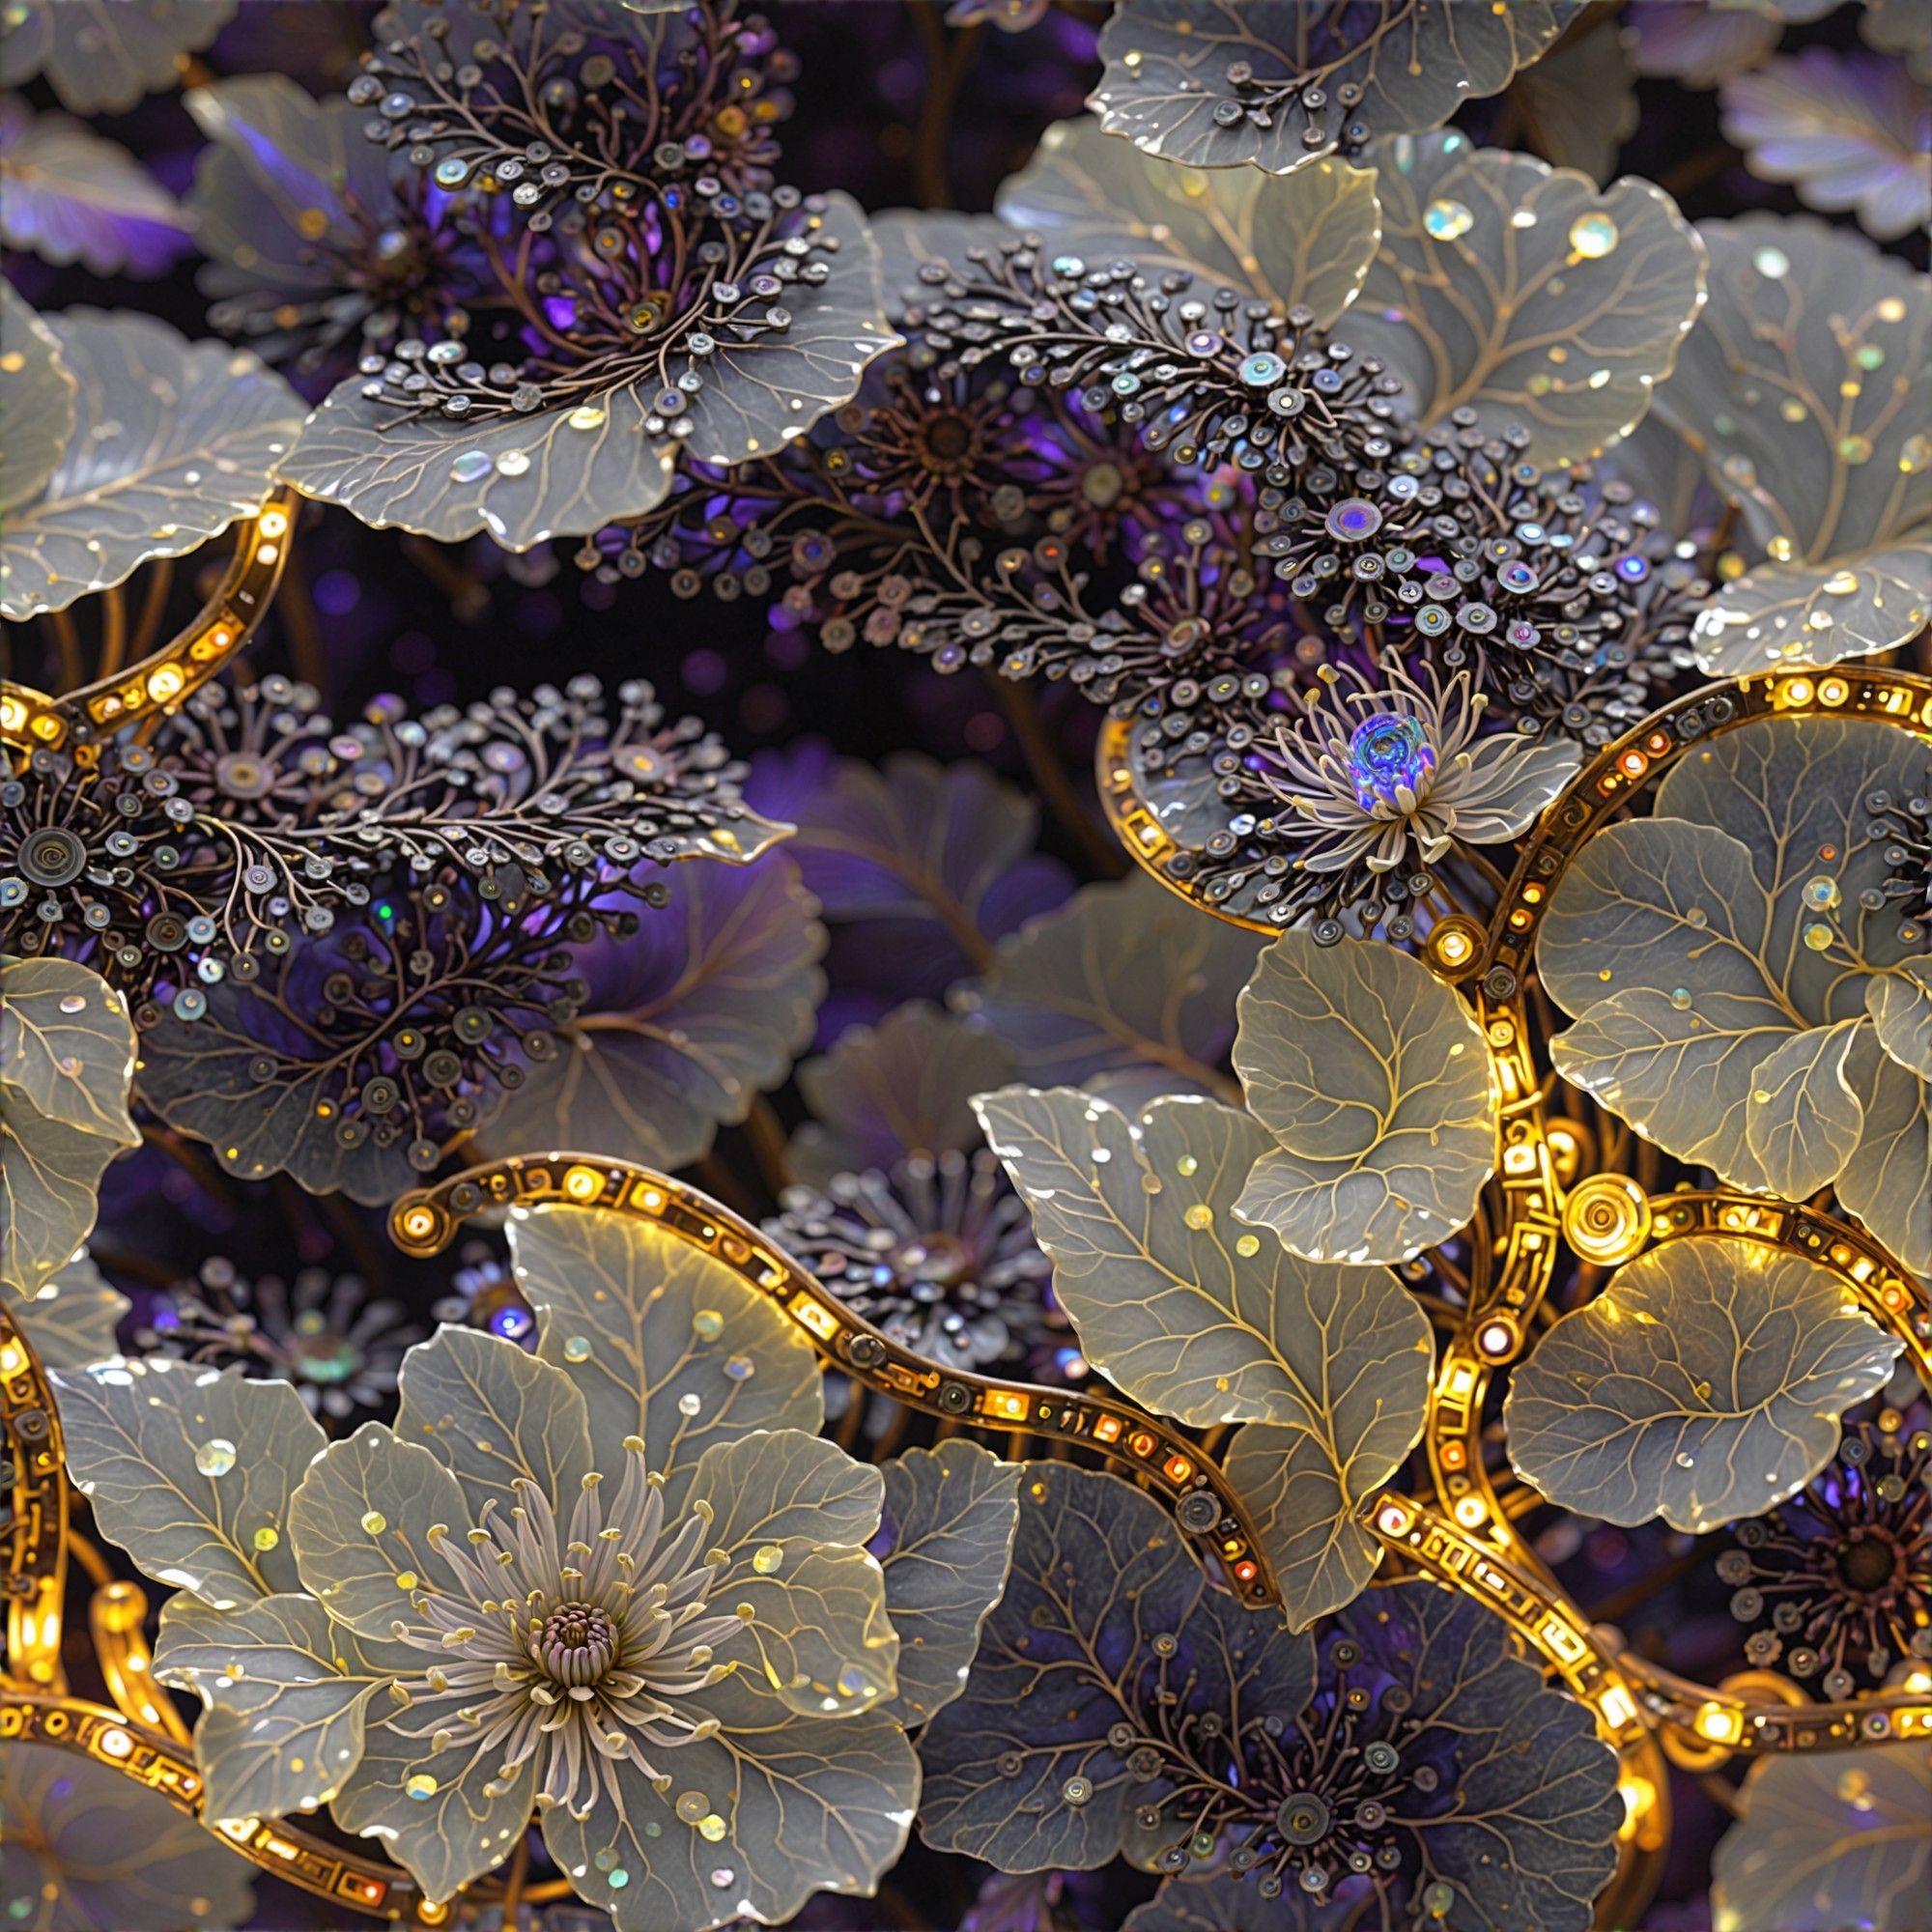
<point x="215" y="1457"/>
<point x="471" y="466"/>
<point x="1353" y="520"/>
<point x="1447" y="219"/>
<point x="1593" y="236"/>
<point x="1388" y="755"/>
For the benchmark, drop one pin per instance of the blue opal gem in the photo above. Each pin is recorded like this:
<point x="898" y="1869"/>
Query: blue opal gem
<point x="1632" y="569"/>
<point x="1387" y="753"/>
<point x="1262" y="371"/>
<point x="1353" y="520"/>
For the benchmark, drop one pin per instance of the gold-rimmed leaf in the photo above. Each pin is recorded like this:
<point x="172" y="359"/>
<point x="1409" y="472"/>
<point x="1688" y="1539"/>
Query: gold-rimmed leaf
<point x="104" y="55"/>
<point x="172" y="442"/>
<point x="1520" y="291"/>
<point x="949" y="1518"/>
<point x="1703" y="1385"/>
<point x="665" y="1340"/>
<point x="1807" y="383"/>
<point x="1782" y="614"/>
<point x="1303" y="239"/>
<point x="37" y="393"/>
<point x="1825" y="1840"/>
<point x="1372" y="1078"/>
<point x="66" y="1062"/>
<point x="191" y="1472"/>
<point x="1215" y="83"/>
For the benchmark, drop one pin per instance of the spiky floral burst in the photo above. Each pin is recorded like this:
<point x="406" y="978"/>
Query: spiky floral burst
<point x="323" y="1333"/>
<point x="574" y="1645"/>
<point x="939" y="1252"/>
<point x="1904" y="824"/>
<point x="1839" y="1579"/>
<point x="579" y="100"/>
<point x="1385" y="780"/>
<point x="372" y="1046"/>
<point x="112" y="864"/>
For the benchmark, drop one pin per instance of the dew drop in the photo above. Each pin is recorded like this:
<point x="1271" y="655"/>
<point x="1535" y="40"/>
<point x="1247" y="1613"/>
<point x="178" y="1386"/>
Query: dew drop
<point x="1446" y="219"/>
<point x="1681" y="999"/>
<point x="375" y="1522"/>
<point x="1773" y="264"/>
<point x="707" y="1324"/>
<point x="767" y="1558"/>
<point x="1821" y="892"/>
<point x="420" y="1784"/>
<point x="689" y="1405"/>
<point x="266" y="1538"/>
<point x="1818" y="936"/>
<point x="723" y="1877"/>
<point x="740" y="1368"/>
<point x="470" y="466"/>
<point x="577" y="1349"/>
<point x="72" y="1002"/>
<point x="1199" y="1215"/>
<point x="1248" y="1246"/>
<point x="513" y="463"/>
<point x="690" y="1806"/>
<point x="1186" y="1164"/>
<point x="711" y="1828"/>
<point x="215" y="1457"/>
<point x="1593" y="236"/>
<point x="586" y="415"/>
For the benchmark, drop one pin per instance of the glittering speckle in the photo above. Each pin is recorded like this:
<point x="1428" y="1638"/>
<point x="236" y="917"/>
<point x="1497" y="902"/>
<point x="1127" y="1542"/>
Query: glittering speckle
<point x="215" y="1457"/>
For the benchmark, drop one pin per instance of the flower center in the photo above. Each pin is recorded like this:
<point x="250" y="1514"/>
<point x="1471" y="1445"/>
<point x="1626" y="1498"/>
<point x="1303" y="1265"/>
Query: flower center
<point x="1387" y="754"/>
<point x="1868" y="1564"/>
<point x="943" y="1259"/>
<point x="576" y="1644"/>
<point x="950" y="444"/>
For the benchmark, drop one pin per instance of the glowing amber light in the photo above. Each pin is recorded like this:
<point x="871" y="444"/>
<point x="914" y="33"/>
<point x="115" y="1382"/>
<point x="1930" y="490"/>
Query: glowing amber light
<point x="1470" y="1512"/>
<point x="1107" y="1429"/>
<point x="1006" y="1405"/>
<point x="583" y="1184"/>
<point x="1719" y="1723"/>
<point x="1142" y="1443"/>
<point x="1496" y="1338"/>
<point x="814" y="1316"/>
<point x="1393" y="1519"/>
<point x="1177" y="1468"/>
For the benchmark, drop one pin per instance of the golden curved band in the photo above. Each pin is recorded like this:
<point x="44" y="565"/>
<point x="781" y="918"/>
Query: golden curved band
<point x="1464" y="1534"/>
<point x="30" y="721"/>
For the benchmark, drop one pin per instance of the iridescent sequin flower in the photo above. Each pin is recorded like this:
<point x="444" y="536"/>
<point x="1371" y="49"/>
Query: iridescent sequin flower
<point x="1384" y="781"/>
<point x="322" y="1332"/>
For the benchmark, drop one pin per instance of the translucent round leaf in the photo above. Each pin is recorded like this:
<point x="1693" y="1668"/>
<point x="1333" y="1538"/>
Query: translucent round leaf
<point x="66" y="1060"/>
<point x="105" y="57"/>
<point x="946" y="1543"/>
<point x="1703" y="1385"/>
<point x="1826" y="1839"/>
<point x="1807" y="382"/>
<point x="1900" y="1005"/>
<point x="1579" y="100"/>
<point x="1214" y="83"/>
<point x="1373" y="1080"/>
<point x="70" y="1323"/>
<point x="1199" y="1318"/>
<point x="687" y="1021"/>
<point x="286" y="1691"/>
<point x="37" y="393"/>
<point x="115" y="1856"/>
<point x="919" y="868"/>
<point x="1518" y="290"/>
<point x="185" y="1467"/>
<point x="494" y="1417"/>
<point x="568" y="471"/>
<point x="1125" y="990"/>
<point x="172" y="442"/>
<point x="69" y="196"/>
<point x="617" y="1304"/>
<point x="1847" y="132"/>
<point x="1304" y="239"/>
<point x="1886" y="1180"/>
<point x="902" y="1086"/>
<point x="1785" y="613"/>
<point x="1698" y="45"/>
<point x="1719" y="953"/>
